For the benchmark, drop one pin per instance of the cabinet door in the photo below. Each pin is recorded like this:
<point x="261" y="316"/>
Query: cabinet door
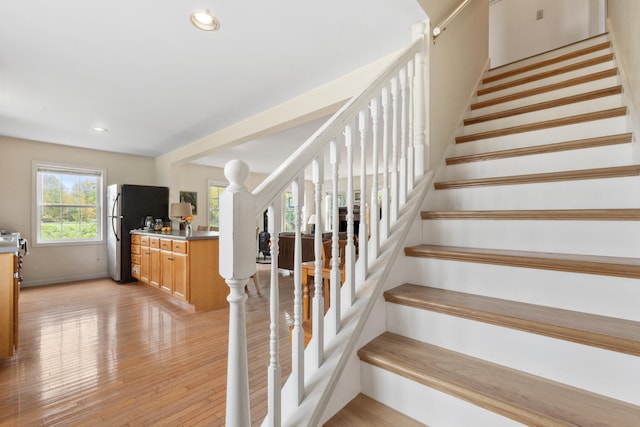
<point x="180" y="275"/>
<point x="166" y="261"/>
<point x="145" y="264"/>
<point x="155" y="268"/>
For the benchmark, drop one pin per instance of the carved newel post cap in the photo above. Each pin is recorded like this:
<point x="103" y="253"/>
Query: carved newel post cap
<point x="236" y="171"/>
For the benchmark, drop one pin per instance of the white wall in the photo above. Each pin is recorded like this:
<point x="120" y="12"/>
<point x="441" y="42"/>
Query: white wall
<point x="53" y="264"/>
<point x="623" y="19"/>
<point x="515" y="33"/>
<point x="458" y="59"/>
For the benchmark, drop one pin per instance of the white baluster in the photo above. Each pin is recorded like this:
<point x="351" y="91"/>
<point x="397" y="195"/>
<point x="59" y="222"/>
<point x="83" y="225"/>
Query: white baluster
<point x="317" y="343"/>
<point x="420" y="104"/>
<point x="237" y="264"/>
<point x="274" y="371"/>
<point x="297" y="335"/>
<point x="362" y="231"/>
<point x="374" y="216"/>
<point x="403" y="137"/>
<point x="394" y="151"/>
<point x="384" y="224"/>
<point x="410" y="154"/>
<point x="333" y="316"/>
<point x="350" y="250"/>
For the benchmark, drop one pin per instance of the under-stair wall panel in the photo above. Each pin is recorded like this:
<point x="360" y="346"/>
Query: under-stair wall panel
<point x="590" y="293"/>
<point x="497" y="91"/>
<point x="605" y="238"/>
<point x="552" y="94"/>
<point x="552" y="54"/>
<point x="584" y="194"/>
<point x="427" y="405"/>
<point x="596" y="128"/>
<point x="590" y="158"/>
<point x="600" y="371"/>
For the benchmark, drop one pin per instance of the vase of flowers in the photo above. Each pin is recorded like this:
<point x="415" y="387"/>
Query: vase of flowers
<point x="187" y="224"/>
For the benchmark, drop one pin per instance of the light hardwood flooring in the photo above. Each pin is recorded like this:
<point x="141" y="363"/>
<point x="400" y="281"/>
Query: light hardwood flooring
<point x="102" y="354"/>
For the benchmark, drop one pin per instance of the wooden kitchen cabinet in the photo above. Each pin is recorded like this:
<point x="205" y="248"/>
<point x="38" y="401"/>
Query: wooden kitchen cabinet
<point x="174" y="260"/>
<point x="187" y="268"/>
<point x="9" y="291"/>
<point x="135" y="256"/>
<point x="145" y="264"/>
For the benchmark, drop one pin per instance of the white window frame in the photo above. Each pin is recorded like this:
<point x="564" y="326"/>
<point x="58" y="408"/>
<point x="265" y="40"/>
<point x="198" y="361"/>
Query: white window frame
<point x="101" y="173"/>
<point x="212" y="183"/>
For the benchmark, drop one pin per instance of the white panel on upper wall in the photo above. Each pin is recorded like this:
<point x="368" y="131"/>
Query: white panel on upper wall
<point x="521" y="28"/>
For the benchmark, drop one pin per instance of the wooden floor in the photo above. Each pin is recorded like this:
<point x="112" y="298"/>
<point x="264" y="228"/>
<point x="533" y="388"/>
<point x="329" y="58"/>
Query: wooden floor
<point x="102" y="354"/>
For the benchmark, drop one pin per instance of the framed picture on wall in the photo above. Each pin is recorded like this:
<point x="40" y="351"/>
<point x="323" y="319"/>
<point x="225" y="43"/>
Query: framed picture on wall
<point x="190" y="197"/>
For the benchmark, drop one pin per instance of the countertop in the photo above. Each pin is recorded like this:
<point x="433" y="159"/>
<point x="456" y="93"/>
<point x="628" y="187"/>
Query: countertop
<point x="179" y="234"/>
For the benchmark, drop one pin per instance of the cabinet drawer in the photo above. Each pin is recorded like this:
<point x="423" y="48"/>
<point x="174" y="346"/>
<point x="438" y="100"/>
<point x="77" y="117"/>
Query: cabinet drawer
<point x="180" y="246"/>
<point x="154" y="242"/>
<point x="135" y="259"/>
<point x="135" y="239"/>
<point x="165" y="244"/>
<point x="144" y="240"/>
<point x="135" y="249"/>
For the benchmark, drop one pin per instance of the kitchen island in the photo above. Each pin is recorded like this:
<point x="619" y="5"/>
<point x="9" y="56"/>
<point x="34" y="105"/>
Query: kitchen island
<point x="185" y="267"/>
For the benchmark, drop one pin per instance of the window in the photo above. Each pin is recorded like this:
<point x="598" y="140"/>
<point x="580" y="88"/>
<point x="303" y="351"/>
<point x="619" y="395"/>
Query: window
<point x="68" y="204"/>
<point x="289" y="219"/>
<point x="215" y="190"/>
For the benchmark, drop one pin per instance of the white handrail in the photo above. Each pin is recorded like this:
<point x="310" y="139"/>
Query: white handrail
<point x="438" y="29"/>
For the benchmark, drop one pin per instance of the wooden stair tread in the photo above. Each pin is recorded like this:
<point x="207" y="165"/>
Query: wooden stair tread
<point x="600" y="93"/>
<point x="547" y="62"/>
<point x="586" y="264"/>
<point x="365" y="411"/>
<point x="546" y="74"/>
<point x="520" y="396"/>
<point x="543" y="149"/>
<point x="598" y="173"/>
<point x="599" y="331"/>
<point x="544" y="89"/>
<point x="541" y="214"/>
<point x="563" y="121"/>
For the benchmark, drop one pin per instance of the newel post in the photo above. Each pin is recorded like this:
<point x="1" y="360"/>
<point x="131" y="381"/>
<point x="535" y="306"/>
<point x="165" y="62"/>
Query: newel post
<point x="237" y="265"/>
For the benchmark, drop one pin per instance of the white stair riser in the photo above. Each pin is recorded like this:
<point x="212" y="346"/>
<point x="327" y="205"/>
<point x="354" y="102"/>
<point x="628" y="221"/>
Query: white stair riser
<point x="605" y="238"/>
<point x="546" y="96"/>
<point x="548" y="68"/>
<point x="581" y="194"/>
<point x="600" y="371"/>
<point x="593" y="129"/>
<point x="597" y="157"/>
<point x="590" y="293"/>
<point x="548" y="55"/>
<point x="590" y="106"/>
<point x="547" y="81"/>
<point x="427" y="405"/>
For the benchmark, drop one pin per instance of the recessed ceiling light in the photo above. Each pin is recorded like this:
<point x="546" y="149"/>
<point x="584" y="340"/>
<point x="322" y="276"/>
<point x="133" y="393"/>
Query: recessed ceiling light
<point x="204" y="20"/>
<point x="99" y="129"/>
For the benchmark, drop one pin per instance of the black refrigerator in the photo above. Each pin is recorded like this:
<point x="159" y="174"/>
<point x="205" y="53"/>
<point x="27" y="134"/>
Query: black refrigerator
<point x="127" y="208"/>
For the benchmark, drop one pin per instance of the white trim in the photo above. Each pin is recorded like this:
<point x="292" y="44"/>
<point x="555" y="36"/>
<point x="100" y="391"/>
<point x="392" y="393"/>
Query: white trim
<point x="101" y="202"/>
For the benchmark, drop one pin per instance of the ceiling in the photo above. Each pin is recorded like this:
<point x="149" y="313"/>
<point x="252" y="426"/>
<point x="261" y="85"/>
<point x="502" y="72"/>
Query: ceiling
<point x="144" y="72"/>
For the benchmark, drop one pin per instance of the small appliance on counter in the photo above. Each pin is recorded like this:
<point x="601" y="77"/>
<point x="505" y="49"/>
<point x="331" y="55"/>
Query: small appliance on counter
<point x="130" y="207"/>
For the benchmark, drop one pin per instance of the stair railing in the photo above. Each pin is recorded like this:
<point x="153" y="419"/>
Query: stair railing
<point x="438" y="29"/>
<point x="388" y="122"/>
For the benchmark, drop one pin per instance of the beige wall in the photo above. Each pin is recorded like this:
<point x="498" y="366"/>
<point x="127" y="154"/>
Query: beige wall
<point x="458" y="58"/>
<point x="623" y="20"/>
<point x="54" y="264"/>
<point x="58" y="263"/>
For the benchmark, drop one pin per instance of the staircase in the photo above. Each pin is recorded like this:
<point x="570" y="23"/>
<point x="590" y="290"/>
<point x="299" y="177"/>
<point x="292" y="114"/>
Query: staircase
<point x="522" y="301"/>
